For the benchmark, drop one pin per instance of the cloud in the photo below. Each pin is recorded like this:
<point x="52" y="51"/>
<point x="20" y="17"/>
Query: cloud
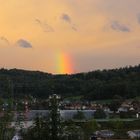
<point x="74" y="28"/>
<point x="4" y="39"/>
<point x="138" y="18"/>
<point x="46" y="27"/>
<point x="24" y="44"/>
<point x="115" y="25"/>
<point x="67" y="18"/>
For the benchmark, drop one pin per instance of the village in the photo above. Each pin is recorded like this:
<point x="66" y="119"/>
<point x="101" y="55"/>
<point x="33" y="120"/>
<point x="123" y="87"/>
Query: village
<point x="107" y="119"/>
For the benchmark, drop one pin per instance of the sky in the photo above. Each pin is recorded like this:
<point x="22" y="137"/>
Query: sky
<point x="69" y="36"/>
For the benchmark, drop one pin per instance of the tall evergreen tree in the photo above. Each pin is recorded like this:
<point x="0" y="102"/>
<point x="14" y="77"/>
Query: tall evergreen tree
<point x="54" y="118"/>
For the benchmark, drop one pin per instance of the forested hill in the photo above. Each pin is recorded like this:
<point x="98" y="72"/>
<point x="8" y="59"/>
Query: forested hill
<point x="92" y="85"/>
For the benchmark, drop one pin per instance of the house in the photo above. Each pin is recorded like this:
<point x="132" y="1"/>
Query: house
<point x="125" y="106"/>
<point x="104" y="133"/>
<point x="93" y="137"/>
<point x="17" y="137"/>
<point x="107" y="110"/>
<point x="137" y="115"/>
<point x="123" y="109"/>
<point x="134" y="134"/>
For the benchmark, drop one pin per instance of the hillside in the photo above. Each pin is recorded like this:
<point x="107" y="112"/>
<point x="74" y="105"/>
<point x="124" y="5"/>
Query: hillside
<point x="105" y="84"/>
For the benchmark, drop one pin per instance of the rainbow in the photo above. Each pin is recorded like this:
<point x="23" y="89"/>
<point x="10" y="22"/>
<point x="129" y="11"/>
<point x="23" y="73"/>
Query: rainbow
<point x="64" y="63"/>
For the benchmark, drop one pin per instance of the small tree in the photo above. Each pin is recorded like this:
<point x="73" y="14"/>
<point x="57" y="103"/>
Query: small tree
<point x="54" y="117"/>
<point x="39" y="131"/>
<point x="117" y="125"/>
<point x="72" y="132"/>
<point x="89" y="128"/>
<point x="114" y="105"/>
<point x="5" y="131"/>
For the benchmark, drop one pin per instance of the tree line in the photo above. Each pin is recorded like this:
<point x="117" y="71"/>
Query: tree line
<point x="94" y="85"/>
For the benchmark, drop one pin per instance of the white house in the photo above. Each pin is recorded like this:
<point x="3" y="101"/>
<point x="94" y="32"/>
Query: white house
<point x="123" y="109"/>
<point x="134" y="134"/>
<point x="16" y="137"/>
<point x="104" y="133"/>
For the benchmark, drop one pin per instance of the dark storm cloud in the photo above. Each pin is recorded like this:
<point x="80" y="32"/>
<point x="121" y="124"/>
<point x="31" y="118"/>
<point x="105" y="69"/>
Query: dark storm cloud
<point x="24" y="43"/>
<point x="46" y="27"/>
<point x="115" y="25"/>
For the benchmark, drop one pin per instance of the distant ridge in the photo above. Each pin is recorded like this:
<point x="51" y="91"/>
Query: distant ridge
<point x="99" y="84"/>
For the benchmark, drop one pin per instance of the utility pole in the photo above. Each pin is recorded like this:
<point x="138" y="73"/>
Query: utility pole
<point x="54" y="117"/>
